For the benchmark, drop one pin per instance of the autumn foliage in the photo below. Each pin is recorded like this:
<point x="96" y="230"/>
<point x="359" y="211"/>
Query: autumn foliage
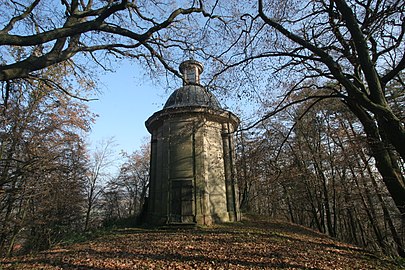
<point x="255" y="244"/>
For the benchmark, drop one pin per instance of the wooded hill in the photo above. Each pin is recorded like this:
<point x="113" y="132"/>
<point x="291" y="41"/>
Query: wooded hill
<point x="319" y="87"/>
<point x="250" y="244"/>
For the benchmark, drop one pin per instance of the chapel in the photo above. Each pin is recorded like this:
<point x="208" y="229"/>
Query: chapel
<point x="192" y="173"/>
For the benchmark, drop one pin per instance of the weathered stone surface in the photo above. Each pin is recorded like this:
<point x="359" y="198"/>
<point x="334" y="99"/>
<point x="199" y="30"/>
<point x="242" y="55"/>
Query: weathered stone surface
<point x="192" y="170"/>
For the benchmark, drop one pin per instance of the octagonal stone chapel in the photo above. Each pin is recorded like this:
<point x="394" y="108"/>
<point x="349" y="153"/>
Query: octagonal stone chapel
<point x="192" y="177"/>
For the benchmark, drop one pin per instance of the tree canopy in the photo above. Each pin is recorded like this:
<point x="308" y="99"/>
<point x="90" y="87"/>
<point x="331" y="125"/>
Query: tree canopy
<point x="329" y="75"/>
<point x="37" y="34"/>
<point x="353" y="51"/>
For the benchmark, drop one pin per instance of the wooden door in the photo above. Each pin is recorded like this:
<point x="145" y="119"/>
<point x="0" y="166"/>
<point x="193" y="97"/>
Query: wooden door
<point x="181" y="207"/>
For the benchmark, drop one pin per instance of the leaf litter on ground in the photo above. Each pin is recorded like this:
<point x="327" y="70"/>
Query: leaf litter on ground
<point x="250" y="244"/>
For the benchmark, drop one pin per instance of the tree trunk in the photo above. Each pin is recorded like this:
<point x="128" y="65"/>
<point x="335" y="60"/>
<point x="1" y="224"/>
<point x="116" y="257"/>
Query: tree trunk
<point x="387" y="216"/>
<point x="290" y="208"/>
<point x="395" y="133"/>
<point x="392" y="178"/>
<point x="391" y="226"/>
<point x="88" y="212"/>
<point x="370" y="211"/>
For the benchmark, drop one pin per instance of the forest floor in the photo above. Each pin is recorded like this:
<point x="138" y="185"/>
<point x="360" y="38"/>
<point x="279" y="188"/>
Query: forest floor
<point x="251" y="244"/>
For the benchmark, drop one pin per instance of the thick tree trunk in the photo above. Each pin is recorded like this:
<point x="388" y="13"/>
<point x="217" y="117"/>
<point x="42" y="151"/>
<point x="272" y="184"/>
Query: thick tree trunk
<point x="395" y="236"/>
<point x="387" y="120"/>
<point x="394" y="132"/>
<point x="392" y="178"/>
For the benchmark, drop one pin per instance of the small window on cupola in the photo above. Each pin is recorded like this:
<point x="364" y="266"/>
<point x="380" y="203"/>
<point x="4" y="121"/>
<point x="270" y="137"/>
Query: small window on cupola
<point x="191" y="71"/>
<point x="191" y="75"/>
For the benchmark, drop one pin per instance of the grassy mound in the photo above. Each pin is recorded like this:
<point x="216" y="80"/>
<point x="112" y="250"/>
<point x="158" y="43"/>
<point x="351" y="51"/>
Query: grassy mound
<point x="253" y="244"/>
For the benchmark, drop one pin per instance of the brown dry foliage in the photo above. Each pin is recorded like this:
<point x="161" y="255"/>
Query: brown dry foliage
<point x="257" y="244"/>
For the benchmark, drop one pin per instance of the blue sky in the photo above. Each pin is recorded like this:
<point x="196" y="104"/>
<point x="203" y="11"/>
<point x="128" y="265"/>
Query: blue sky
<point x="128" y="98"/>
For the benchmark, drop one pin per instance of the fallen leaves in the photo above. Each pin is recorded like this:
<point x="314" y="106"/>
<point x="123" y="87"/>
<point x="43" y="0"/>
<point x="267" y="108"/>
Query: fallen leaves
<point x="247" y="245"/>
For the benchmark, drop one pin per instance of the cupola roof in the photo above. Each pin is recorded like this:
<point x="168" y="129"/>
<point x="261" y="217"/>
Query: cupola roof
<point x="192" y="93"/>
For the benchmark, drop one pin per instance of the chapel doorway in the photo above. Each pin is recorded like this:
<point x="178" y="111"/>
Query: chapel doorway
<point x="181" y="206"/>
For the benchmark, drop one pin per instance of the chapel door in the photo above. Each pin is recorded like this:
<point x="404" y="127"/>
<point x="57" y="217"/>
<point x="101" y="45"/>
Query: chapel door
<point x="181" y="209"/>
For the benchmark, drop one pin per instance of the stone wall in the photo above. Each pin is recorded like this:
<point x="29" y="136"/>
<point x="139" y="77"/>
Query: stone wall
<point x="190" y="179"/>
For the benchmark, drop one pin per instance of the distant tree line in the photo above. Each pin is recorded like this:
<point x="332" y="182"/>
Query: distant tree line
<point x="329" y="77"/>
<point x="317" y="170"/>
<point x="52" y="187"/>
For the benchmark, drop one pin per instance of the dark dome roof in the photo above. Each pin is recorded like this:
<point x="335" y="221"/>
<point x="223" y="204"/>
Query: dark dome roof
<point x="192" y="95"/>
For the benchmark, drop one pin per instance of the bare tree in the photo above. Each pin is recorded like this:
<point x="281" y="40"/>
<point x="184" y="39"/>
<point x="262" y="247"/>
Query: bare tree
<point x="43" y="33"/>
<point x="41" y="165"/>
<point x="98" y="174"/>
<point x="353" y="49"/>
<point x="125" y="195"/>
<point x="320" y="175"/>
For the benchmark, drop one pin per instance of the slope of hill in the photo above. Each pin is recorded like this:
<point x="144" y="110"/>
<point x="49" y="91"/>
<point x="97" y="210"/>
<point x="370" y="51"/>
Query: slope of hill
<point x="254" y="244"/>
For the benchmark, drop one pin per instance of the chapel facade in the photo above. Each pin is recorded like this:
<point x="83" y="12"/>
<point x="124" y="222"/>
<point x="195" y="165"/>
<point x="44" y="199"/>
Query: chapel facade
<point x="192" y="173"/>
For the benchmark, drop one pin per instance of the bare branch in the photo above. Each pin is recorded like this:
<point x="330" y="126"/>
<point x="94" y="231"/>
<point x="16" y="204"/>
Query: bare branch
<point x="282" y="108"/>
<point x="54" y="85"/>
<point x="12" y="22"/>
